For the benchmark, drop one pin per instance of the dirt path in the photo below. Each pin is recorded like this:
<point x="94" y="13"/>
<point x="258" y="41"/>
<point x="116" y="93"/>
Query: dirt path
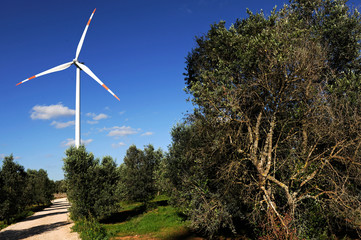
<point x="50" y="224"/>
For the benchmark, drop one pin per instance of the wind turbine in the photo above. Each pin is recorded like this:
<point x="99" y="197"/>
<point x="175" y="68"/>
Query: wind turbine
<point x="79" y="66"/>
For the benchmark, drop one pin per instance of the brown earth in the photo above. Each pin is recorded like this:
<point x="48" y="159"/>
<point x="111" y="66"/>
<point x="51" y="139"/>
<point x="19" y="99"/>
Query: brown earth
<point x="52" y="223"/>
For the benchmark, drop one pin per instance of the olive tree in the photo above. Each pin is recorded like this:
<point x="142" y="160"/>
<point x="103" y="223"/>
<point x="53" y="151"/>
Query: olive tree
<point x="39" y="188"/>
<point x="13" y="179"/>
<point x="138" y="182"/>
<point x="275" y="133"/>
<point x="90" y="185"/>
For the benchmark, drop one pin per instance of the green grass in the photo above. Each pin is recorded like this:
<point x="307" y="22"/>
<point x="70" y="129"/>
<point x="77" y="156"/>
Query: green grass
<point x="161" y="222"/>
<point x="126" y="206"/>
<point x="160" y="198"/>
<point x="155" y="219"/>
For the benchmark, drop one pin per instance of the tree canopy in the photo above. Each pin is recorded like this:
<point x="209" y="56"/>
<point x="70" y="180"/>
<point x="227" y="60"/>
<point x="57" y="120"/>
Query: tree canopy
<point x="20" y="189"/>
<point x="91" y="184"/>
<point x="138" y="173"/>
<point x="276" y="129"/>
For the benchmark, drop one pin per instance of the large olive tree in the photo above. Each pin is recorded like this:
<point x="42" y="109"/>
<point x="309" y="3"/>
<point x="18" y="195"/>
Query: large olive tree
<point x="278" y="128"/>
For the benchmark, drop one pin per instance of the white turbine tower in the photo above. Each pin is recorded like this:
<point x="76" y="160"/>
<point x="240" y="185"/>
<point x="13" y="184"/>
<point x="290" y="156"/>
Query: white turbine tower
<point x="79" y="66"/>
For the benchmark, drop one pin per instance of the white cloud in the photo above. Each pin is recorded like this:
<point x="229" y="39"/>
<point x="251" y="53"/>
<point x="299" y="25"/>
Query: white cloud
<point x="96" y="117"/>
<point x="100" y="117"/>
<point x="92" y="122"/>
<point x="121" y="131"/>
<point x="147" y="134"/>
<point x="51" y="111"/>
<point x="117" y="145"/>
<point x="86" y="142"/>
<point x="62" y="124"/>
<point x="121" y="113"/>
<point x="71" y="142"/>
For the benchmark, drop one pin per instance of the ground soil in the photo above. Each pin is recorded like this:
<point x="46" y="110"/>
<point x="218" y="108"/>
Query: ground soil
<point x="52" y="223"/>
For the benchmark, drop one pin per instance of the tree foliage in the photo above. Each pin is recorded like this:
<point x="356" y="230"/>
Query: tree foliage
<point x="90" y="185"/>
<point x="276" y="132"/>
<point x="13" y="178"/>
<point x="39" y="188"/>
<point x="138" y="173"/>
<point x="60" y="186"/>
<point x="20" y="188"/>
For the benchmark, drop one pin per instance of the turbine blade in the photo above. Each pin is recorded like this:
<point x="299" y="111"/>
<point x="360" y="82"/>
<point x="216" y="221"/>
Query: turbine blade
<point x="80" y="44"/>
<point x="51" y="70"/>
<point x="91" y="74"/>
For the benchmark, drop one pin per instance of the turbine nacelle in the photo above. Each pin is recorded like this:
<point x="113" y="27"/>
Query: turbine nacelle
<point x="75" y="62"/>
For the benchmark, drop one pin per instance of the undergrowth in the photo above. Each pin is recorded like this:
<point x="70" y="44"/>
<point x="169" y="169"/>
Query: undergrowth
<point x="90" y="230"/>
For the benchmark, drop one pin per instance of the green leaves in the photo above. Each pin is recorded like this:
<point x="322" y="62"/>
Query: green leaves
<point x="20" y="188"/>
<point x="12" y="195"/>
<point x="275" y="116"/>
<point x="138" y="173"/>
<point x="91" y="185"/>
<point x="39" y="189"/>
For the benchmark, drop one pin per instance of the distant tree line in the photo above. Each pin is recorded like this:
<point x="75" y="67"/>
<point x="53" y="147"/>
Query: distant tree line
<point x="272" y="149"/>
<point x="60" y="186"/>
<point x="20" y="189"/>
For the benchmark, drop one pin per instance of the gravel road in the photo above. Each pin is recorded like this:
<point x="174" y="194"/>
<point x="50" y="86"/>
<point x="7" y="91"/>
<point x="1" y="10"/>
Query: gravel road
<point x="52" y="223"/>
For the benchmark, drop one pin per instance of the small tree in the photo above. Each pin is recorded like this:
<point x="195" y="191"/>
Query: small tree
<point x="13" y="178"/>
<point x="39" y="188"/>
<point x="106" y="177"/>
<point x="137" y="173"/>
<point x="162" y="180"/>
<point x="90" y="185"/>
<point x="78" y="166"/>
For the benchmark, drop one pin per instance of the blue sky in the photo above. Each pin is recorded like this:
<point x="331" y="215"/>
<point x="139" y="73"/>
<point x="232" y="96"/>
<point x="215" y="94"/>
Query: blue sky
<point x="136" y="47"/>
